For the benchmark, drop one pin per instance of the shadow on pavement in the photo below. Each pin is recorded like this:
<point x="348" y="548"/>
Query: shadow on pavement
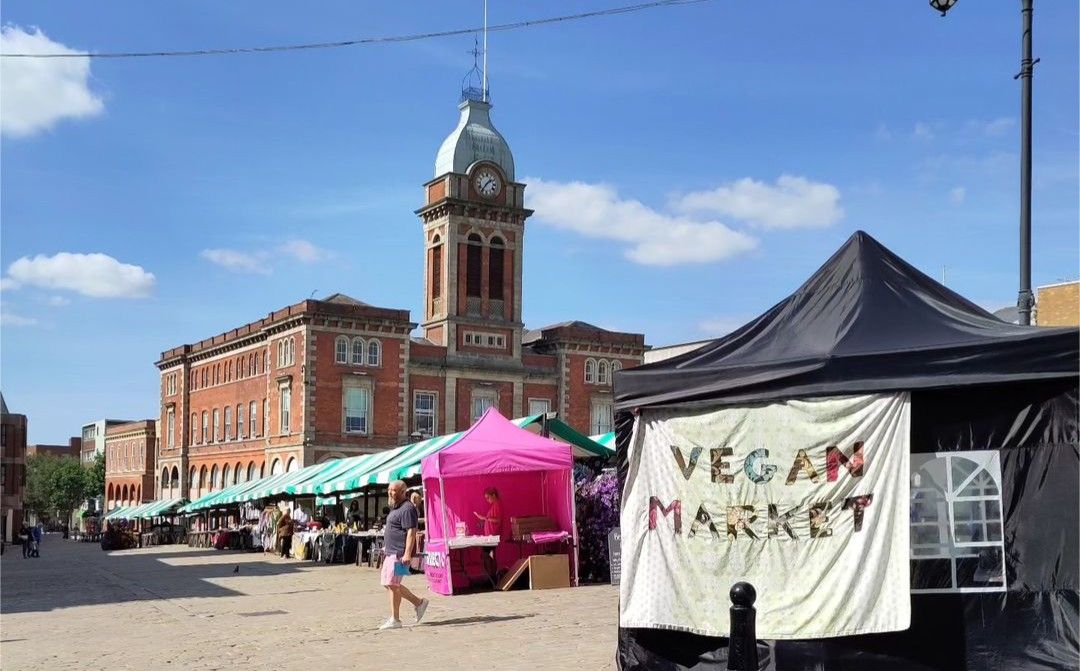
<point x="76" y="574"/>
<point x="479" y="619"/>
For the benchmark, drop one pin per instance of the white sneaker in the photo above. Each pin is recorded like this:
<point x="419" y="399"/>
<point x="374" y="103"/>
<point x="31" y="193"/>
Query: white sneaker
<point x="390" y="624"/>
<point x="421" y="608"/>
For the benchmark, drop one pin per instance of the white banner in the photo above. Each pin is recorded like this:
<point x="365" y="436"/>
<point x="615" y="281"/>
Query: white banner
<point x="807" y="500"/>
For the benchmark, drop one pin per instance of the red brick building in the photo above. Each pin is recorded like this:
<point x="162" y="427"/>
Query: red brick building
<point x="130" y="455"/>
<point x="72" y="449"/>
<point x="12" y="470"/>
<point x="324" y="379"/>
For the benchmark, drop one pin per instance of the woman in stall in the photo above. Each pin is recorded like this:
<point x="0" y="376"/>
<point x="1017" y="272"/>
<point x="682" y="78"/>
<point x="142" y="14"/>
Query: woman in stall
<point x="492" y="526"/>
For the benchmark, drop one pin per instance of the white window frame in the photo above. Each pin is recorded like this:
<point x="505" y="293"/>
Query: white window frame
<point x="366" y="416"/>
<point x="601" y="424"/>
<point x="225" y="437"/>
<point x="240" y="424"/>
<point x="419" y="412"/>
<point x="603" y="372"/>
<point x="590" y="371"/>
<point x="488" y="340"/>
<point x="374" y="353"/>
<point x="341" y="349"/>
<point x="254" y="419"/>
<point x="205" y="428"/>
<point x="217" y="427"/>
<point x="489" y="398"/>
<point x="284" y="408"/>
<point x="988" y="462"/>
<point x="266" y="417"/>
<point x="170" y="426"/>
<point x="534" y="402"/>
<point x="358" y="351"/>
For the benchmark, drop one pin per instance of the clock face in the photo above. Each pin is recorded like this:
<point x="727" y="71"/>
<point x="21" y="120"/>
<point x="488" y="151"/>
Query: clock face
<point x="487" y="183"/>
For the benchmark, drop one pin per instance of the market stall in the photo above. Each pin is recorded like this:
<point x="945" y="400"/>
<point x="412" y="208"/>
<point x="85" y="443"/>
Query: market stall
<point x="532" y="476"/>
<point x="890" y="465"/>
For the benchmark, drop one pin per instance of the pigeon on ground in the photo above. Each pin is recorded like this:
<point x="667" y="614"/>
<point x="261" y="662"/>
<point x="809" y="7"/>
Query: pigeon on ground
<point x="237" y="569"/>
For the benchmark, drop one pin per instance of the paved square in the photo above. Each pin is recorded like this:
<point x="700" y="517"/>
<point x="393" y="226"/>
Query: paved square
<point x="174" y="607"/>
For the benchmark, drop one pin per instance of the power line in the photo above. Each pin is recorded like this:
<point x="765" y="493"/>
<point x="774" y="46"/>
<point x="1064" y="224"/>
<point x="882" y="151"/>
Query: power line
<point x="368" y="40"/>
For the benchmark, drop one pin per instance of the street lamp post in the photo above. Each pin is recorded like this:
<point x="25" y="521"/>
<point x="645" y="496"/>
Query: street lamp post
<point x="1025" y="301"/>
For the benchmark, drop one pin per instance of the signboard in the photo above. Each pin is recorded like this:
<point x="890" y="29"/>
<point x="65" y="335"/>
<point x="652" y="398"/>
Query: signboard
<point x="614" y="553"/>
<point x="807" y="500"/>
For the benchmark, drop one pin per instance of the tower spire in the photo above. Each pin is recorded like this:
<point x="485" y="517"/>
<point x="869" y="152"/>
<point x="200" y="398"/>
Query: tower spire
<point x="475" y="84"/>
<point x="485" y="53"/>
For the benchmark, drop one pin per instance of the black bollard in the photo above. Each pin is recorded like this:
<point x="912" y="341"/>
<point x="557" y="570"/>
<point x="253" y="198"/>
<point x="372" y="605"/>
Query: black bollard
<point x="742" y="644"/>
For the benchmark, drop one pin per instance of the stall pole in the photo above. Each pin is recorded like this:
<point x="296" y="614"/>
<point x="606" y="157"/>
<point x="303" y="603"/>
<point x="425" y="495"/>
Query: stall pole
<point x="446" y="536"/>
<point x="573" y="519"/>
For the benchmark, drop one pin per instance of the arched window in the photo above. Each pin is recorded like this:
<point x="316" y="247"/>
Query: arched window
<point x="275" y="467"/>
<point x="603" y="372"/>
<point x="496" y="262"/>
<point x="174" y="487"/>
<point x="292" y="351"/>
<point x="165" y="478"/>
<point x="262" y="470"/>
<point x="251" y="471"/>
<point x="194" y="428"/>
<point x="251" y="364"/>
<point x="138" y="494"/>
<point x="124" y="494"/>
<point x="590" y="371"/>
<point x="358" y="351"/>
<point x="473" y="269"/>
<point x="238" y="473"/>
<point x="202" y="480"/>
<point x="239" y="421"/>
<point x="266" y="361"/>
<point x="253" y="411"/>
<point x="109" y="496"/>
<point x="341" y="349"/>
<point x="213" y="477"/>
<point x="615" y="365"/>
<point x="294" y="465"/>
<point x="193" y="484"/>
<point x="217" y="426"/>
<point x="374" y="353"/>
<point x="226" y="476"/>
<point x="436" y="267"/>
<point x="228" y="423"/>
<point x="205" y="428"/>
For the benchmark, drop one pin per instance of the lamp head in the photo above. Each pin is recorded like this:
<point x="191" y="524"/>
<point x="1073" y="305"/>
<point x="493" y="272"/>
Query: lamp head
<point x="942" y="6"/>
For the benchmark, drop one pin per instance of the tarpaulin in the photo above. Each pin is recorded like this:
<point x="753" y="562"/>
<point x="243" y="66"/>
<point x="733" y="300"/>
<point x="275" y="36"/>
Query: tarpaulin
<point x="806" y="499"/>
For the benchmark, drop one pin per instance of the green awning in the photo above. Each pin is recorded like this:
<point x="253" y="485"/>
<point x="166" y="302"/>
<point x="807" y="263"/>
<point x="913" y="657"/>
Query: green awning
<point x="397" y="464"/>
<point x="116" y="512"/>
<point x="159" y="508"/>
<point x="326" y="500"/>
<point x="605" y="440"/>
<point x="129" y="513"/>
<point x="584" y="446"/>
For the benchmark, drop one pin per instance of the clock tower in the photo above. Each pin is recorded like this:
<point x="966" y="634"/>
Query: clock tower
<point x="474" y="226"/>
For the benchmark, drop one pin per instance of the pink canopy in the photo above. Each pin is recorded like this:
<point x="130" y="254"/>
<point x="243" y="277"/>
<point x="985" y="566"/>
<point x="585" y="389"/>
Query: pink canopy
<point x="532" y="474"/>
<point x="496" y="445"/>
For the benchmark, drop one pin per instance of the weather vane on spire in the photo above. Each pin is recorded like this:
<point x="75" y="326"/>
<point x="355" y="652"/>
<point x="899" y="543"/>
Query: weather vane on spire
<point x="475" y="84"/>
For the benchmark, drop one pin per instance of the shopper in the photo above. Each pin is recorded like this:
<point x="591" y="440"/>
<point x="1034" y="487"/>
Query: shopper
<point x="38" y="533"/>
<point x="399" y="546"/>
<point x="25" y="538"/>
<point x="285" y="533"/>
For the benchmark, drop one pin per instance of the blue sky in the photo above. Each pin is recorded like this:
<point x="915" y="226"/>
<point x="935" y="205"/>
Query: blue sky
<point x="690" y="166"/>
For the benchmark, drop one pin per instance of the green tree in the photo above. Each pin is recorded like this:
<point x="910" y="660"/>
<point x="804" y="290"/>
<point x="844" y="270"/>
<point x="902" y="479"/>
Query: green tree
<point x="95" y="476"/>
<point x="54" y="485"/>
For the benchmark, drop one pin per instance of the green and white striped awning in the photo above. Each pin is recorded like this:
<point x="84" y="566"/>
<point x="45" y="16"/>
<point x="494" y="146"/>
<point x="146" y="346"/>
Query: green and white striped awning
<point x="116" y="513"/>
<point x="158" y="508"/>
<point x="605" y="440"/>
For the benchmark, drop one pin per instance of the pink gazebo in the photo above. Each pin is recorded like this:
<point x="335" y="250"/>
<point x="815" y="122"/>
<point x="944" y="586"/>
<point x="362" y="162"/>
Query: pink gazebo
<point x="533" y="475"/>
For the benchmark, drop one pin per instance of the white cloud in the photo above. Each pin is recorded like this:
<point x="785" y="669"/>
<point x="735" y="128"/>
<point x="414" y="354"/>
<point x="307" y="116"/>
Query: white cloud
<point x="9" y="319"/>
<point x="96" y="275"/>
<point x="997" y="126"/>
<point x="793" y="202"/>
<point x="923" y="131"/>
<point x="653" y="238"/>
<point x="8" y="284"/>
<point x="238" y="262"/>
<point x="957" y="195"/>
<point x="39" y="92"/>
<point x="721" y="326"/>
<point x="57" y="301"/>
<point x="304" y="251"/>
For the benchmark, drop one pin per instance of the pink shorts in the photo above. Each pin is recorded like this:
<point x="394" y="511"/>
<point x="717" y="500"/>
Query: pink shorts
<point x="387" y="577"/>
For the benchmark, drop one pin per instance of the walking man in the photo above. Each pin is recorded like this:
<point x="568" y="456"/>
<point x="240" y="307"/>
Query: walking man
<point x="399" y="544"/>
